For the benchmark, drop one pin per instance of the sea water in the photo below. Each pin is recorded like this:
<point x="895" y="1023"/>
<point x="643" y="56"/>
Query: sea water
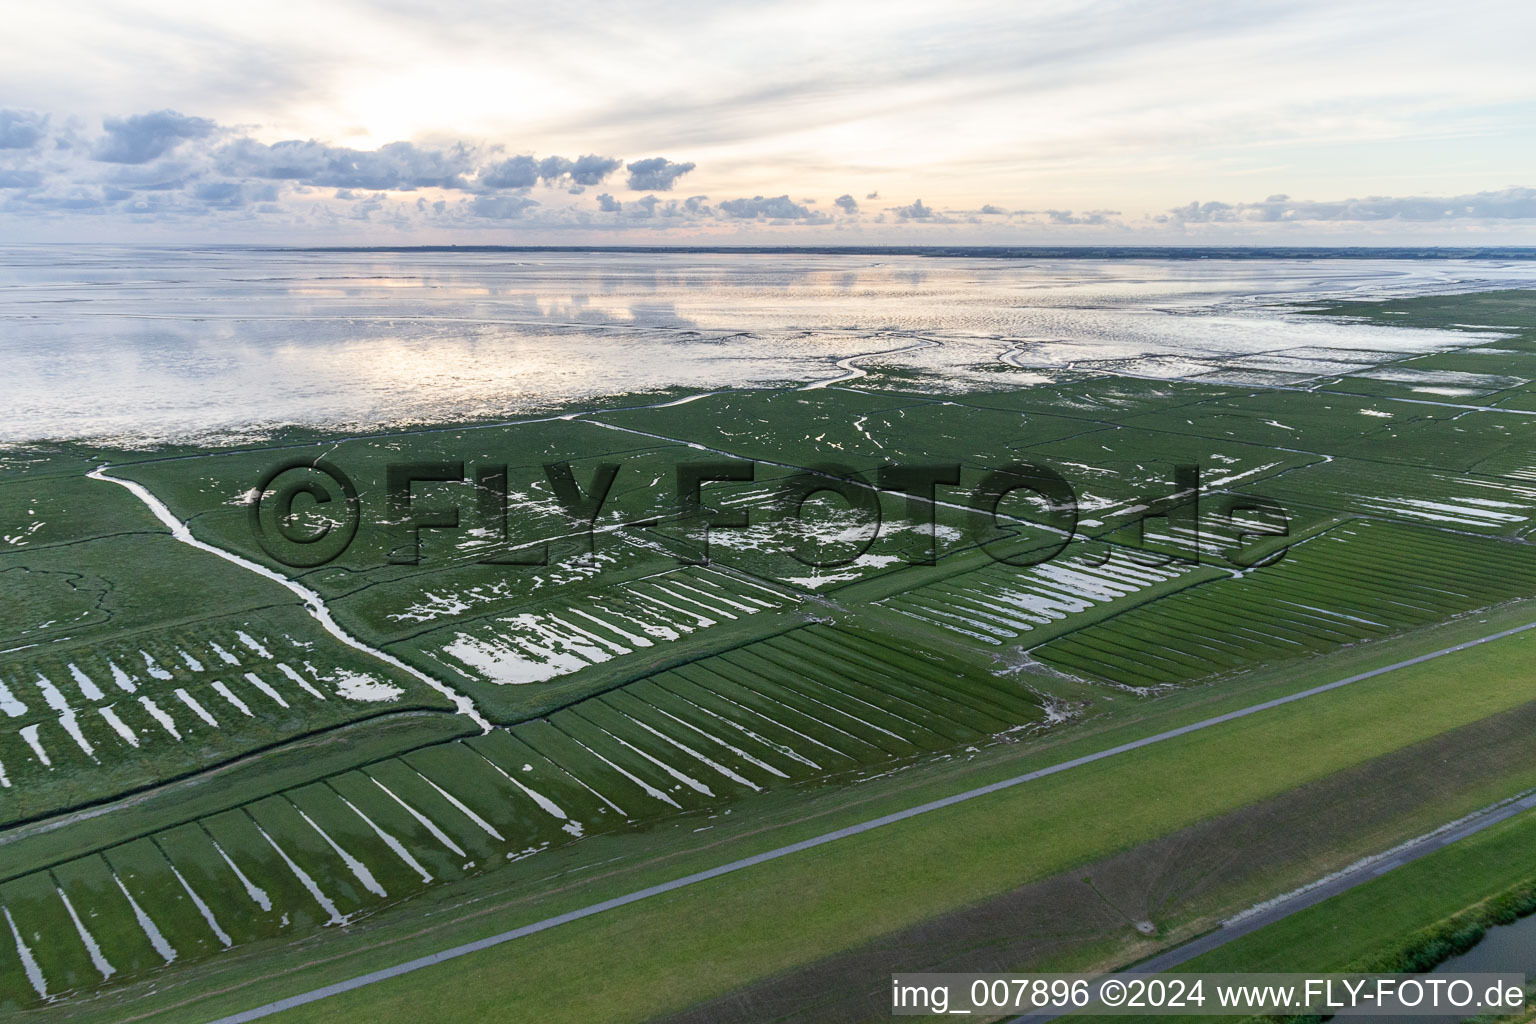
<point x="141" y="346"/>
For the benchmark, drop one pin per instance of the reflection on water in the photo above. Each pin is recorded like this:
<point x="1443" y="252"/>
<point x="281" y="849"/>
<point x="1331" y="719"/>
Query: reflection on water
<point x="156" y="344"/>
<point x="1509" y="948"/>
<point x="1504" y="949"/>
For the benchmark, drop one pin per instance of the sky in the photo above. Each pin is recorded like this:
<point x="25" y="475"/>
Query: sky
<point x="779" y="122"/>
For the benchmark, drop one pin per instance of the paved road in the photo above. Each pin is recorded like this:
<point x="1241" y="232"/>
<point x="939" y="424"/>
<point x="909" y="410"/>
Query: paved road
<point x="829" y="837"/>
<point x="1304" y="898"/>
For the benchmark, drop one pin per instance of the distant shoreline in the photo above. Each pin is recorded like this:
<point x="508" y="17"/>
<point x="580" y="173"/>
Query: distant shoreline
<point x="1160" y="252"/>
<point x="1005" y="252"/>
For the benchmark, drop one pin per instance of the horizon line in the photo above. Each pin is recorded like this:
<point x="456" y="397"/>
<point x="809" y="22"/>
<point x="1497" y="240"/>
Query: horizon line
<point x="1068" y="250"/>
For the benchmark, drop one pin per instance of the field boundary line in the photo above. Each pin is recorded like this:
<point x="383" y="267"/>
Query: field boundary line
<point x="464" y="949"/>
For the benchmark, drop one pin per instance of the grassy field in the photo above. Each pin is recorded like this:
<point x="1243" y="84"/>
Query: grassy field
<point x="734" y="929"/>
<point x="724" y="933"/>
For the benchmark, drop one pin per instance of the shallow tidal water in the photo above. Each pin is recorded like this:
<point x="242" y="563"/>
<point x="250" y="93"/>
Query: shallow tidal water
<point x="143" y="346"/>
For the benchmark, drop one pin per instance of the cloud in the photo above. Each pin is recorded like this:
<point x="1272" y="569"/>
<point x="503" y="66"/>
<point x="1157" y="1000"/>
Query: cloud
<point x="873" y="195"/>
<point x="157" y="176"/>
<point x="1197" y="212"/>
<point x="231" y="195"/>
<point x="525" y="171"/>
<point x="516" y="172"/>
<point x="991" y="210"/>
<point x="846" y="203"/>
<point x="234" y="194"/>
<point x="656" y="173"/>
<point x="584" y="170"/>
<point x="501" y="207"/>
<point x="19" y="178"/>
<point x="1507" y="204"/>
<point x="143" y="137"/>
<point x="1087" y="217"/>
<point x="776" y="208"/>
<point x="77" y="203"/>
<point x="170" y="167"/>
<point x="653" y="208"/>
<point x="923" y="213"/>
<point x="553" y="168"/>
<point x="21" y="129"/>
<point x="218" y="192"/>
<point x="692" y="208"/>
<point x="400" y="166"/>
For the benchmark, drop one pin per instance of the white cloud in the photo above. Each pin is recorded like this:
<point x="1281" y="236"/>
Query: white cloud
<point x="1506" y="204"/>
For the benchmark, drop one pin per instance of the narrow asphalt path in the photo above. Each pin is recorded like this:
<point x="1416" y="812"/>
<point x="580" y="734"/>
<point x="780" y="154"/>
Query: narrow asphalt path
<point x="465" y="949"/>
<point x="1310" y="896"/>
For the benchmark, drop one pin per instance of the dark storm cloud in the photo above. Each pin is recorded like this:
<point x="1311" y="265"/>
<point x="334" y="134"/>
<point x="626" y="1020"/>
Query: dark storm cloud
<point x="846" y="203"/>
<point x="656" y="173"/>
<point x="1508" y="204"/>
<point x="774" y="208"/>
<point x="143" y="137"/>
<point x="400" y="166"/>
<point x="21" y="129"/>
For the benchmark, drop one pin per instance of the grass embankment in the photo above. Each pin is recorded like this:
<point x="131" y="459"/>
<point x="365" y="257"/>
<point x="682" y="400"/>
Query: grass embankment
<point x="1410" y="919"/>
